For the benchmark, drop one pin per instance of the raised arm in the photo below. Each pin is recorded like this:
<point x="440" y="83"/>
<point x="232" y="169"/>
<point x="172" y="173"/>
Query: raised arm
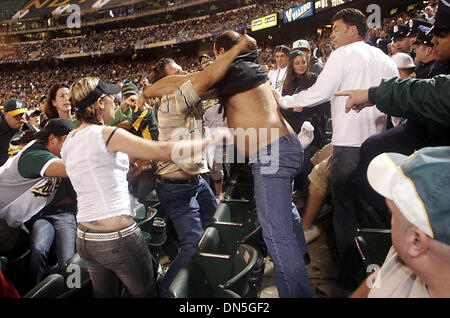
<point x="167" y="85"/>
<point x="214" y="72"/>
<point x="201" y="81"/>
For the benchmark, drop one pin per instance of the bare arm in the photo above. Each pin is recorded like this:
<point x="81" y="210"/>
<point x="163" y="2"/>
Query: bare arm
<point x="217" y="70"/>
<point x="167" y="85"/>
<point x="361" y="292"/>
<point x="137" y="147"/>
<point x="56" y="169"/>
<point x="201" y="81"/>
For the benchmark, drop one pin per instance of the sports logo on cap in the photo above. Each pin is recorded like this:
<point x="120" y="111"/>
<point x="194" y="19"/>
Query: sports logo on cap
<point x="395" y="28"/>
<point x="19" y="104"/>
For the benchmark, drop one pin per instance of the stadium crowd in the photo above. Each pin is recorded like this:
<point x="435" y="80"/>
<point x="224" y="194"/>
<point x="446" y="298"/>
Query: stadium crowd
<point x="28" y="85"/>
<point x="304" y="77"/>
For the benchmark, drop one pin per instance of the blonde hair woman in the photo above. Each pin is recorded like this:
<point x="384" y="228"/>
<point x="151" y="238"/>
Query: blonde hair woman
<point x="96" y="159"/>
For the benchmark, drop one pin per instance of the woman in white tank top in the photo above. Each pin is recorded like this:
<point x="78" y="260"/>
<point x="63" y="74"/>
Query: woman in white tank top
<point x="96" y="160"/>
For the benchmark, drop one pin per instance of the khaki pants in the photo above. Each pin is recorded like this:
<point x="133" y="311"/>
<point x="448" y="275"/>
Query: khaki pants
<point x="319" y="175"/>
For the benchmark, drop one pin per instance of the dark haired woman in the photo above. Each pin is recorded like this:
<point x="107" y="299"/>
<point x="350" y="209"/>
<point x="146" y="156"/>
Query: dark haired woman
<point x="57" y="104"/>
<point x="298" y="79"/>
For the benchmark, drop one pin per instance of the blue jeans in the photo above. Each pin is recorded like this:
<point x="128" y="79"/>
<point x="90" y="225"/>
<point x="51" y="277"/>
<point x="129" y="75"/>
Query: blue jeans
<point x="274" y="168"/>
<point x="59" y="228"/>
<point x="125" y="260"/>
<point x="191" y="209"/>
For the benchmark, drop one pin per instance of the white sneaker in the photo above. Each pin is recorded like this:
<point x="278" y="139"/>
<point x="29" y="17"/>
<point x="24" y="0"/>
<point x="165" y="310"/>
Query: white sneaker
<point x="311" y="234"/>
<point x="219" y="199"/>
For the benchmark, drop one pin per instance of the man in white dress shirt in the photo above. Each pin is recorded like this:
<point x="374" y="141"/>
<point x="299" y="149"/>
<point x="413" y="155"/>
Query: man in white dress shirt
<point x="276" y="77"/>
<point x="353" y="63"/>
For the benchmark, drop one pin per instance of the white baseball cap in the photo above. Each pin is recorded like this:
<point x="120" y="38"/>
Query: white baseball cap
<point x="403" y="60"/>
<point x="301" y="44"/>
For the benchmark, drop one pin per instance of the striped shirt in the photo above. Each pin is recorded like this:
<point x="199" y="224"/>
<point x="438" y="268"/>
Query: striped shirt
<point x="180" y="117"/>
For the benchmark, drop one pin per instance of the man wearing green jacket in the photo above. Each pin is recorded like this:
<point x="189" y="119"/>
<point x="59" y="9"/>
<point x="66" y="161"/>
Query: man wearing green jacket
<point x="427" y="100"/>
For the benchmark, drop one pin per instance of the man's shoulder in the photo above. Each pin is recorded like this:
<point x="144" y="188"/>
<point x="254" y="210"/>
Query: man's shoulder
<point x="33" y="158"/>
<point x="37" y="150"/>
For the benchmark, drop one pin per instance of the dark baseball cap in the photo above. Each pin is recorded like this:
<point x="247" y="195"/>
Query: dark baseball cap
<point x="34" y="112"/>
<point x="15" y="107"/>
<point x="423" y="37"/>
<point x="414" y="25"/>
<point x="399" y="31"/>
<point x="56" y="126"/>
<point x="442" y="18"/>
<point x="129" y="89"/>
<point x="101" y="89"/>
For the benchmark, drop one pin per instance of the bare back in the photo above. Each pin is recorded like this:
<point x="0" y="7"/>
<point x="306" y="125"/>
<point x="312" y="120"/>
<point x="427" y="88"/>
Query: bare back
<point x="256" y="109"/>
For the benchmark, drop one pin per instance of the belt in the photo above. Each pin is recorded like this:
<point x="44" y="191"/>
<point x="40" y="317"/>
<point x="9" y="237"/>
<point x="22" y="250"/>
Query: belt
<point x="107" y="236"/>
<point x="193" y="180"/>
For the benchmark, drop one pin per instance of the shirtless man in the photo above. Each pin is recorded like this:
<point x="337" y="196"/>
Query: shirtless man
<point x="275" y="155"/>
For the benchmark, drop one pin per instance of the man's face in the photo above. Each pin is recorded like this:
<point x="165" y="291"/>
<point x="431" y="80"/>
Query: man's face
<point x="173" y="69"/>
<point x="342" y="34"/>
<point x="35" y="120"/>
<point x="55" y="144"/>
<point x="441" y="47"/>
<point x="15" y="122"/>
<point x="281" y="59"/>
<point x="130" y="99"/>
<point x="399" y="228"/>
<point x="402" y="45"/>
<point x="422" y="53"/>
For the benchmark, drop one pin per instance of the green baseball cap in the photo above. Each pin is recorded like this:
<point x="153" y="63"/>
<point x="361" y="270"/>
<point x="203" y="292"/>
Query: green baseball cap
<point x="15" y="107"/>
<point x="418" y="185"/>
<point x="129" y="89"/>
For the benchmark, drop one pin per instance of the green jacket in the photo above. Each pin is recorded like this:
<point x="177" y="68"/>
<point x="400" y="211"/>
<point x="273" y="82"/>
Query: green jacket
<point x="427" y="100"/>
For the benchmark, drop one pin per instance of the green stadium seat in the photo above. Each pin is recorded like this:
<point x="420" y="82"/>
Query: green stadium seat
<point x="140" y="212"/>
<point x="51" y="287"/>
<point x="211" y="242"/>
<point x="150" y="199"/>
<point x="235" y="211"/>
<point x="373" y="245"/>
<point x="208" y="275"/>
<point x="84" y="290"/>
<point x="239" y="191"/>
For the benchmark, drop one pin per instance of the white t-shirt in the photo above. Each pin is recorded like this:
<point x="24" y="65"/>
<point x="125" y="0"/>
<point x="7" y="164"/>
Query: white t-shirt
<point x="276" y="78"/>
<point x="396" y="280"/>
<point x="356" y="65"/>
<point x="98" y="176"/>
